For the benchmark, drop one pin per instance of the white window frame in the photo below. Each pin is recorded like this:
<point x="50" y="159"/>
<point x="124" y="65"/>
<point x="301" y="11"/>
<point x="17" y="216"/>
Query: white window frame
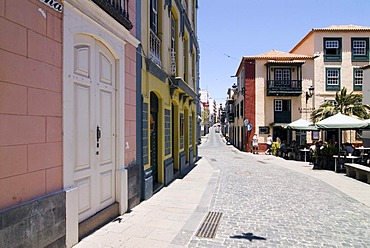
<point x="282" y="74"/>
<point x="330" y="44"/>
<point x="359" y="47"/>
<point x="332" y="77"/>
<point x="155" y="12"/>
<point x="358" y="78"/>
<point x="278" y="105"/>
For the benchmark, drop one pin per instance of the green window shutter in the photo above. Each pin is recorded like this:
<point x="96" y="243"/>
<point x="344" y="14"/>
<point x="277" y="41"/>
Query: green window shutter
<point x="332" y="79"/>
<point x="360" y="49"/>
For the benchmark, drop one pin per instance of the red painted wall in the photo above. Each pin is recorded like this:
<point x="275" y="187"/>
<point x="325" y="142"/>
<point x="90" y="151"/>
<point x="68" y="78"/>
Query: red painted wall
<point x="250" y="99"/>
<point x="30" y="101"/>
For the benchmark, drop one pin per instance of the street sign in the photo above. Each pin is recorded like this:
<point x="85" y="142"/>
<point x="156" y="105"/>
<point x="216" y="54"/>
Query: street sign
<point x="249" y="127"/>
<point x="246" y="122"/>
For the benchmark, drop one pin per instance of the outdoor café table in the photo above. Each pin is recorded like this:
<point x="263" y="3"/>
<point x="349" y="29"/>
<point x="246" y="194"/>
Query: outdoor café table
<point x="305" y="150"/>
<point x="353" y="158"/>
<point x="364" y="150"/>
<point x="335" y="161"/>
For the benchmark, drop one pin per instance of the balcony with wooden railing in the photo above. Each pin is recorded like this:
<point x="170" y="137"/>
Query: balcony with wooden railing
<point x="118" y="9"/>
<point x="284" y="87"/>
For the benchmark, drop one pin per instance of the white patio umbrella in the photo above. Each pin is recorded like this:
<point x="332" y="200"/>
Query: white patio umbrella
<point x="368" y="122"/>
<point x="302" y="124"/>
<point x="340" y="122"/>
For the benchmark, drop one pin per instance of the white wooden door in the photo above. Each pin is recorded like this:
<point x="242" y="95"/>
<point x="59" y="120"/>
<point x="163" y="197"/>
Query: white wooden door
<point x="94" y="122"/>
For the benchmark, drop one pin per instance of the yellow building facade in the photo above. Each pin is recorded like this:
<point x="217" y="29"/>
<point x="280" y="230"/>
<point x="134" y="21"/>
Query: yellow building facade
<point x="169" y="79"/>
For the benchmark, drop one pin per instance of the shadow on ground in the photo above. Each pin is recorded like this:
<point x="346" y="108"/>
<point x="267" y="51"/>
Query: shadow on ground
<point x="249" y="236"/>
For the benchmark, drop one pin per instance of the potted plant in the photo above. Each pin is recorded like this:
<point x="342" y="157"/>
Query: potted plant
<point x="275" y="148"/>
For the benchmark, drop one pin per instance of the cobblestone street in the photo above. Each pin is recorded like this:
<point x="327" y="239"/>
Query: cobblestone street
<point x="267" y="205"/>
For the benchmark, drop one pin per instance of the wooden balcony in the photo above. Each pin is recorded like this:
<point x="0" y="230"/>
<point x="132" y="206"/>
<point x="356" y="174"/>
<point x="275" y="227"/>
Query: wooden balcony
<point x="284" y="87"/>
<point x="118" y="9"/>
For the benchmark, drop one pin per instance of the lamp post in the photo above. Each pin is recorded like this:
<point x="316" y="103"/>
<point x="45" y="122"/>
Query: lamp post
<point x="309" y="93"/>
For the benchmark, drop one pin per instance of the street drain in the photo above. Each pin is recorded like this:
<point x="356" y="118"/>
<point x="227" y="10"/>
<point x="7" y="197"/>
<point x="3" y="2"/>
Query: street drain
<point x="209" y="226"/>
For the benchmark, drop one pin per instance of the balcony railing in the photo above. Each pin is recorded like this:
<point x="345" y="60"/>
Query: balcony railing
<point x="118" y="9"/>
<point x="284" y="87"/>
<point x="155" y="48"/>
<point x="173" y="62"/>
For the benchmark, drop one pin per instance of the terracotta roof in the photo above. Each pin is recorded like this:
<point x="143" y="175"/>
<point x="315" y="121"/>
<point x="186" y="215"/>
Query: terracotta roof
<point x="286" y="61"/>
<point x="343" y="28"/>
<point x="278" y="55"/>
<point x="333" y="28"/>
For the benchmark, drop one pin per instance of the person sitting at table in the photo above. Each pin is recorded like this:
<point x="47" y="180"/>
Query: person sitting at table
<point x="283" y="149"/>
<point x="293" y="153"/>
<point x="348" y="148"/>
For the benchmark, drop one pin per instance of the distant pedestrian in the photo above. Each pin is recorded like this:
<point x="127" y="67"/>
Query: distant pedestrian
<point x="255" y="143"/>
<point x="269" y="144"/>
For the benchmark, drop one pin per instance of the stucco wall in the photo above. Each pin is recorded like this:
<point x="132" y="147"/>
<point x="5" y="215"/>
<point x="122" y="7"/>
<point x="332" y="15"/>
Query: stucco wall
<point x="307" y="47"/>
<point x="346" y="65"/>
<point x="366" y="100"/>
<point x="130" y="103"/>
<point x="30" y="101"/>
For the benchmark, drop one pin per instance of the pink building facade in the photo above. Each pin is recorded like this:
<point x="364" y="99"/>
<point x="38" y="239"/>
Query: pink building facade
<point x="67" y="117"/>
<point x="30" y="101"/>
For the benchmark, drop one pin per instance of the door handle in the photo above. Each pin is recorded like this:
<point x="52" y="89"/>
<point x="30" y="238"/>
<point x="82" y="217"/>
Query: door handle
<point x="98" y="134"/>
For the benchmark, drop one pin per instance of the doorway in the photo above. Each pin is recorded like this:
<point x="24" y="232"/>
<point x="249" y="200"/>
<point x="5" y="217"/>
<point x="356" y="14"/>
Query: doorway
<point x="93" y="147"/>
<point x="154" y="139"/>
<point x="280" y="132"/>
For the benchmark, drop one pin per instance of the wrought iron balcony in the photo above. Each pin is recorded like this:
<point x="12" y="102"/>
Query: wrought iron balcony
<point x="118" y="9"/>
<point x="155" y="48"/>
<point x="284" y="87"/>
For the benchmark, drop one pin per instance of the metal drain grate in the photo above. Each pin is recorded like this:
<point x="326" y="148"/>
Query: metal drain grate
<point x="209" y="226"/>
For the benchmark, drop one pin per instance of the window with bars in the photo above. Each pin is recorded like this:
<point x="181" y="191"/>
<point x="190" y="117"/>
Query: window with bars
<point x="360" y="49"/>
<point x="332" y="79"/>
<point x="358" y="77"/>
<point x="332" y="49"/>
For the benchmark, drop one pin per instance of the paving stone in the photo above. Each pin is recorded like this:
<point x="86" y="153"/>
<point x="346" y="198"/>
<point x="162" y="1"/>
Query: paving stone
<point x="265" y="205"/>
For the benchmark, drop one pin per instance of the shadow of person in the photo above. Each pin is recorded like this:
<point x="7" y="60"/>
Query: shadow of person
<point x="249" y="236"/>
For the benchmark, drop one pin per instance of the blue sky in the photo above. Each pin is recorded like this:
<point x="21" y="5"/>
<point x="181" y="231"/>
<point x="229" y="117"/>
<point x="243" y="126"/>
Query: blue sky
<point x="231" y="29"/>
